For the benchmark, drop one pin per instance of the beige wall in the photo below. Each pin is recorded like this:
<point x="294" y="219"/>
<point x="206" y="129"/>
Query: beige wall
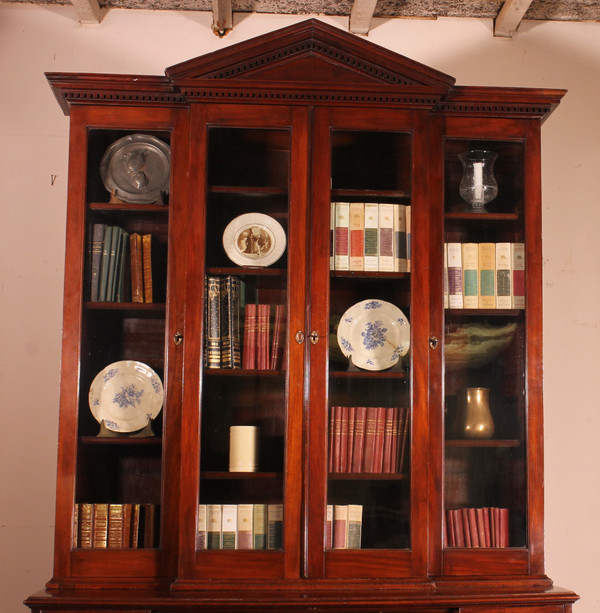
<point x="33" y="165"/>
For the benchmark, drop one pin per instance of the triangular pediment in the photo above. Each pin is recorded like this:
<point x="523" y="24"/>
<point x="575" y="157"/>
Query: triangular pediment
<point x="310" y="51"/>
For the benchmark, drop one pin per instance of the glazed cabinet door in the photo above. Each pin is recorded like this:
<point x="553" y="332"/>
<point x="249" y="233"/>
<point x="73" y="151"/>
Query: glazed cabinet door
<point x="121" y="370"/>
<point x="244" y="367"/>
<point x="491" y="516"/>
<point x="367" y="465"/>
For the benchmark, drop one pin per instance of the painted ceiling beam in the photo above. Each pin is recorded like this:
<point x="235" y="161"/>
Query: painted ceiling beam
<point x="361" y="15"/>
<point x="222" y="17"/>
<point x="510" y="16"/>
<point x="88" y="11"/>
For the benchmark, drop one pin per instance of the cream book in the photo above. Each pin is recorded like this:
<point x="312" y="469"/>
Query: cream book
<point x="213" y="526"/>
<point x="342" y="236"/>
<point x="357" y="236"/>
<point x="355" y="512"/>
<point x="455" y="282"/>
<point x="400" y="238"/>
<point x="371" y="236"/>
<point x="386" y="237"/>
<point x="202" y="541"/>
<point x="503" y="276"/>
<point x="244" y="526"/>
<point x="487" y="275"/>
<point x="470" y="264"/>
<point x="229" y="527"/>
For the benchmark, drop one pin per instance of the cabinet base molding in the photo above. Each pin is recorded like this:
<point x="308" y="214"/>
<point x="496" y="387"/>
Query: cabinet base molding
<point x="334" y="600"/>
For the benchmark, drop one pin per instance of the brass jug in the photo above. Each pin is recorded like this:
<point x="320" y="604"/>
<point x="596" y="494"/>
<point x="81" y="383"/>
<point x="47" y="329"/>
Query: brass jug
<point x="473" y="418"/>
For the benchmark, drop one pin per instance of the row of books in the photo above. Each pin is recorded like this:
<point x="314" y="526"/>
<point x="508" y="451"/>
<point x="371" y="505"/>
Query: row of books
<point x="240" y="526"/>
<point x="484" y="275"/>
<point x="476" y="527"/>
<point x="256" y="344"/>
<point x="120" y="265"/>
<point x="115" y="526"/>
<point x="367" y="439"/>
<point x="344" y="526"/>
<point x="370" y="236"/>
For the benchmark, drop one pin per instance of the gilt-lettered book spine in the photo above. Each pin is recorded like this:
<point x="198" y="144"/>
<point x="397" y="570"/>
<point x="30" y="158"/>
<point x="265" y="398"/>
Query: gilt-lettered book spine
<point x="213" y="327"/>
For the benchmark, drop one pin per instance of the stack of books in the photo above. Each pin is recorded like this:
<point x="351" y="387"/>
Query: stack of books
<point x="120" y="265"/>
<point x="240" y="526"/>
<point x="343" y="529"/>
<point x="115" y="526"/>
<point x="258" y="344"/>
<point x="367" y="439"/>
<point x="484" y="275"/>
<point x="370" y="236"/>
<point x="476" y="527"/>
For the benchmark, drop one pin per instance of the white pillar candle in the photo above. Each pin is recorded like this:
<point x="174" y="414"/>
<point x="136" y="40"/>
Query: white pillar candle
<point x="478" y="181"/>
<point x="243" y="449"/>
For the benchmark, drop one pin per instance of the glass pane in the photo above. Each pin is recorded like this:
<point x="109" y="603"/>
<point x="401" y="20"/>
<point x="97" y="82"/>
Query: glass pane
<point x="368" y="499"/>
<point x="119" y="466"/>
<point x="485" y="358"/>
<point x="243" y="409"/>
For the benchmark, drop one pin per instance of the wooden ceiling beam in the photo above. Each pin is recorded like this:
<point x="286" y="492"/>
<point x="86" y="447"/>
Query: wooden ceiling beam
<point x="361" y="15"/>
<point x="88" y="11"/>
<point x="510" y="16"/>
<point x="222" y="17"/>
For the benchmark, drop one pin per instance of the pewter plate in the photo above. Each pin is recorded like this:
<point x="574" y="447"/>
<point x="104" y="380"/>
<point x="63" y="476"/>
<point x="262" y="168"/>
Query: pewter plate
<point x="126" y="395"/>
<point x="374" y="333"/>
<point x="136" y="169"/>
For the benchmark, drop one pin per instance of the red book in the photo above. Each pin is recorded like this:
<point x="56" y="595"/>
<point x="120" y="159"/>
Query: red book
<point x="330" y="438"/>
<point x="278" y="338"/>
<point x="369" y="449"/>
<point x="379" y="436"/>
<point x="350" y="445"/>
<point x="457" y="525"/>
<point x="466" y="532"/>
<point x="504" y="527"/>
<point x="487" y="526"/>
<point x="337" y="438"/>
<point x="249" y="350"/>
<point x="344" y="440"/>
<point x="358" y="448"/>
<point x="472" y="519"/>
<point x="403" y="438"/>
<point x="388" y="437"/>
<point x="481" y="527"/>
<point x="262" y="353"/>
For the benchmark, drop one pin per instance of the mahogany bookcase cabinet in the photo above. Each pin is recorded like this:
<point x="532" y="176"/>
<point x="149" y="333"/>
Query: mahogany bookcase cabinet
<point x="318" y="174"/>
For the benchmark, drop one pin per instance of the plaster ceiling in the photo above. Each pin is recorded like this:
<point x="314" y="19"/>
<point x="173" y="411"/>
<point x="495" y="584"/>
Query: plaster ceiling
<point x="507" y="14"/>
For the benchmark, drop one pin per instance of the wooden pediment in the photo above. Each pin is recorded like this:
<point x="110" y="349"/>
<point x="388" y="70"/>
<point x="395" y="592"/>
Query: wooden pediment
<point x="314" y="52"/>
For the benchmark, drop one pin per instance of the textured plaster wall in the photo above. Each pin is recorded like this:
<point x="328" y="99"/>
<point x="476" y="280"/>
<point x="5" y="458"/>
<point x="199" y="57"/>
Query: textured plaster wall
<point x="33" y="175"/>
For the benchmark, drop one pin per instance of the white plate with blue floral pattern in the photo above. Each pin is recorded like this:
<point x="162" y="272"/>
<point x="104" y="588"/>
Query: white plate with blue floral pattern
<point x="374" y="333"/>
<point x="126" y="395"/>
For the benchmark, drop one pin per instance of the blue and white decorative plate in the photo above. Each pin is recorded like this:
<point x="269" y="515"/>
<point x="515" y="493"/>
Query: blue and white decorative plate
<point x="126" y="395"/>
<point x="375" y="333"/>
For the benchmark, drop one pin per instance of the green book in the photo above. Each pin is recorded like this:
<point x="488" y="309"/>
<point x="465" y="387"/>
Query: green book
<point x="259" y="526"/>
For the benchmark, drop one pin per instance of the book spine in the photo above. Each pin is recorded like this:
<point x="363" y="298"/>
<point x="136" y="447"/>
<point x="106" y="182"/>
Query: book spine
<point x="115" y="526"/>
<point x="370" y="440"/>
<point x="329" y="527"/>
<point x="105" y="264"/>
<point x="343" y="464"/>
<point x="408" y="215"/>
<point x="229" y="526"/>
<point x="86" y="525"/>
<point x="342" y="236"/>
<point x="455" y="280"/>
<point x="244" y="525"/>
<point x="100" y="526"/>
<point x="278" y="338"/>
<point x="445" y="273"/>
<point x="518" y="275"/>
<point x="213" y="523"/>
<point x="386" y="238"/>
<point x="234" y="320"/>
<point x="340" y="526"/>
<point x="112" y="264"/>
<point x="360" y="415"/>
<point x="350" y="443"/>
<point x="371" y="250"/>
<point x="224" y="319"/>
<point x="503" y="276"/>
<point x="137" y="271"/>
<point x="147" y="265"/>
<point x="274" y="526"/>
<point x="400" y="238"/>
<point x="249" y="348"/>
<point x="96" y="259"/>
<point x="213" y="328"/>
<point x="379" y="440"/>
<point x="337" y="438"/>
<point x="259" y="526"/>
<point x="388" y="440"/>
<point x="202" y="527"/>
<point x="355" y="512"/>
<point x="262" y="353"/>
<point x="470" y="265"/>
<point x="357" y="236"/>
<point x="487" y="275"/>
